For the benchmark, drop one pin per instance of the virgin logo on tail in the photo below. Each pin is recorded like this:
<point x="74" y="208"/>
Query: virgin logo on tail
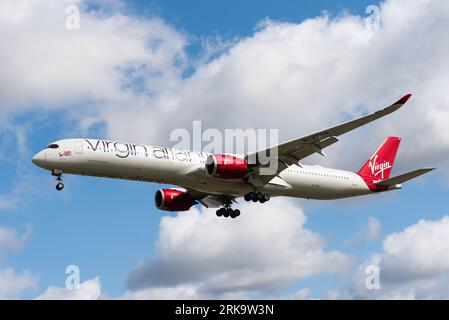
<point x="376" y="168"/>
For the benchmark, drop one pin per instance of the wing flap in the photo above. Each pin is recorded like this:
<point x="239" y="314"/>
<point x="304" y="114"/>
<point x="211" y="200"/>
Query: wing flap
<point x="309" y="149"/>
<point x="216" y="201"/>
<point x="403" y="177"/>
<point x="211" y="202"/>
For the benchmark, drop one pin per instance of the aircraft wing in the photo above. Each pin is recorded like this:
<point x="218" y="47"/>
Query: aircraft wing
<point x="293" y="151"/>
<point x="403" y="177"/>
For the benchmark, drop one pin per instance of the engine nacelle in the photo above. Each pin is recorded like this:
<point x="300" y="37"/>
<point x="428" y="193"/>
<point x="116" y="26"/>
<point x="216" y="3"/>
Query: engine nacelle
<point x="173" y="200"/>
<point x="226" y="167"/>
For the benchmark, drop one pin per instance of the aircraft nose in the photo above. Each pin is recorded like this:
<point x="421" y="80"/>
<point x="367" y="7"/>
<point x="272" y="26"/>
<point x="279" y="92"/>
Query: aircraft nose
<point x="39" y="158"/>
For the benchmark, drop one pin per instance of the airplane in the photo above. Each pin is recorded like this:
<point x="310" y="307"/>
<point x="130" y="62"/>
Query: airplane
<point x="217" y="180"/>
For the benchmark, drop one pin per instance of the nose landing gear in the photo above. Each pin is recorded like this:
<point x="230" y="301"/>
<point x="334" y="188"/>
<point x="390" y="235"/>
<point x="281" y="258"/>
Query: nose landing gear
<point x="58" y="174"/>
<point x="59" y="186"/>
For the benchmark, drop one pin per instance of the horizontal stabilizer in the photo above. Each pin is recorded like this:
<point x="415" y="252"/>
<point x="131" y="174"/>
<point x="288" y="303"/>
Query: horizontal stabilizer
<point x="403" y="177"/>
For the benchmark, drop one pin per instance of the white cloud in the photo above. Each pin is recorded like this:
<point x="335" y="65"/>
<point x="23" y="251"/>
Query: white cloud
<point x="104" y="65"/>
<point x="130" y="73"/>
<point x="80" y="65"/>
<point x="370" y="232"/>
<point x="302" y="294"/>
<point x="10" y="239"/>
<point x="91" y="290"/>
<point x="88" y="290"/>
<point x="12" y="284"/>
<point x="181" y="292"/>
<point x="265" y="249"/>
<point x="419" y="251"/>
<point x="373" y="228"/>
<point x="414" y="263"/>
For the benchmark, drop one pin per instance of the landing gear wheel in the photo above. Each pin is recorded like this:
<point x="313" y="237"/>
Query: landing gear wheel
<point x="254" y="197"/>
<point x="220" y="212"/>
<point x="59" y="186"/>
<point x="250" y="196"/>
<point x="235" y="214"/>
<point x="257" y="197"/>
<point x="226" y="211"/>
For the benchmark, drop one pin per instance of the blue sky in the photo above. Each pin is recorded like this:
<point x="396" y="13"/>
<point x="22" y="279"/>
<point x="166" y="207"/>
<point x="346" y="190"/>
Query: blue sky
<point x="234" y="18"/>
<point x="108" y="227"/>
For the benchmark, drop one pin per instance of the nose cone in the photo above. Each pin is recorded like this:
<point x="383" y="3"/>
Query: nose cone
<point x="39" y="159"/>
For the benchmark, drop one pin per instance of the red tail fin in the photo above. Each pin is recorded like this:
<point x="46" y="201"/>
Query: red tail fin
<point x="379" y="166"/>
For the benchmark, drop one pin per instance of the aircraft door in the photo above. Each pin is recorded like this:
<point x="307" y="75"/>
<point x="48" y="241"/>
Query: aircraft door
<point x="354" y="180"/>
<point x="79" y="147"/>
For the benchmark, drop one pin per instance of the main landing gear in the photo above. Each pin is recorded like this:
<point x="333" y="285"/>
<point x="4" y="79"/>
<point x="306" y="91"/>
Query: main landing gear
<point x="227" y="211"/>
<point x="58" y="174"/>
<point x="257" y="196"/>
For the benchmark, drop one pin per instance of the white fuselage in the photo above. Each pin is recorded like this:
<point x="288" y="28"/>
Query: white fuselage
<point x="103" y="158"/>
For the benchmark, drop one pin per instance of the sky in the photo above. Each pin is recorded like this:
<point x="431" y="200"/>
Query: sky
<point x="136" y="70"/>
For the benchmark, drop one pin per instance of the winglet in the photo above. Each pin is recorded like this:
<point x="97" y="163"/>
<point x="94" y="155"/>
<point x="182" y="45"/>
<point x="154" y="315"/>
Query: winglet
<point x="404" y="99"/>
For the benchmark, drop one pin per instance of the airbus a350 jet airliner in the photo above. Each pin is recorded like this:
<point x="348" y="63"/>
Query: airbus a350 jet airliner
<point x="217" y="180"/>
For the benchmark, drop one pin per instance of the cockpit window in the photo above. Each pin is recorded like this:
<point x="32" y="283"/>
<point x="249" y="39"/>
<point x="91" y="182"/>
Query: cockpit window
<point x="53" y="146"/>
